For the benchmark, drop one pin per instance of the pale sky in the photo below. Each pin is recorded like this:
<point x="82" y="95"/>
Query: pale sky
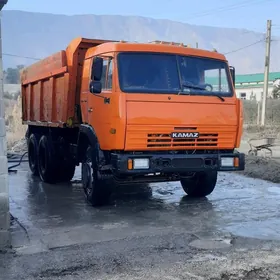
<point x="249" y="14"/>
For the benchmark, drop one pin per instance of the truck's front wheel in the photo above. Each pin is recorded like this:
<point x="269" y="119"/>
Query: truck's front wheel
<point x="97" y="189"/>
<point x="201" y="184"/>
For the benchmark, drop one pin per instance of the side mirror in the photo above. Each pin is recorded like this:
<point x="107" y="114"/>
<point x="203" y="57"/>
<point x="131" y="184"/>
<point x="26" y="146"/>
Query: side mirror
<point x="95" y="87"/>
<point x="232" y="73"/>
<point x="97" y="69"/>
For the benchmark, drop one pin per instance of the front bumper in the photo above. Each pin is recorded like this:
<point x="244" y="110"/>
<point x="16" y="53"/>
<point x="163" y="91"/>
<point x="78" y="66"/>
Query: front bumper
<point x="178" y="163"/>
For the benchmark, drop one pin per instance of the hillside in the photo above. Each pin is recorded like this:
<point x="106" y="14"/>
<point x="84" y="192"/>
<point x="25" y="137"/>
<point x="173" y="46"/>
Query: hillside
<point x="38" y="35"/>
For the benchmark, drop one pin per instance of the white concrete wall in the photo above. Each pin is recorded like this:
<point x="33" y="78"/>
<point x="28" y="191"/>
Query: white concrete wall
<point x="4" y="187"/>
<point x="4" y="193"/>
<point x="11" y="88"/>
<point x="254" y="91"/>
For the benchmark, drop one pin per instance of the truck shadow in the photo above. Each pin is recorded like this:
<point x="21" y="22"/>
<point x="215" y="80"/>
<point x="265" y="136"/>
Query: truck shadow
<point x="134" y="192"/>
<point x="72" y="194"/>
<point x="47" y="209"/>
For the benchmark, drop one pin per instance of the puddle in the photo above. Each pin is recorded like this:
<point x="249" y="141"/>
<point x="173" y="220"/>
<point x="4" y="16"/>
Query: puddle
<point x="265" y="230"/>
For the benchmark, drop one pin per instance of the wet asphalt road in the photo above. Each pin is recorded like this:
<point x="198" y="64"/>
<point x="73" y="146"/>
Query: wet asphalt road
<point x="146" y="231"/>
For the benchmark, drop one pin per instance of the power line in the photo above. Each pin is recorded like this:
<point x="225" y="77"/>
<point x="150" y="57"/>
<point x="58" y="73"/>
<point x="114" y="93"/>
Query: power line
<point x="245" y="47"/>
<point x="26" y="57"/>
<point x="252" y="31"/>
<point x="250" y="45"/>
<point x="221" y="8"/>
<point x="242" y="4"/>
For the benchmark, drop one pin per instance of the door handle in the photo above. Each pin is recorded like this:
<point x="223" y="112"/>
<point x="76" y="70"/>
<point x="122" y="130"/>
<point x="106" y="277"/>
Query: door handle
<point x="90" y="110"/>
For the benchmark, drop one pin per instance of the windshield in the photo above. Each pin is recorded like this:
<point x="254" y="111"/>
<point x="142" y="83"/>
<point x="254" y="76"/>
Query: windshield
<point x="169" y="73"/>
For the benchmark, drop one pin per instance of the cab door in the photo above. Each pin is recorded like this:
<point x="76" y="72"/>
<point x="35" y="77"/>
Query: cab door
<point x="100" y="106"/>
<point x="85" y="93"/>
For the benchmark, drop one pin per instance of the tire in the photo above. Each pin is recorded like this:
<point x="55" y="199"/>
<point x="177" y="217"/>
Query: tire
<point x="201" y="184"/>
<point x="33" y="154"/>
<point x="66" y="163"/>
<point x="253" y="153"/>
<point x="67" y="171"/>
<point x="97" y="189"/>
<point x="47" y="161"/>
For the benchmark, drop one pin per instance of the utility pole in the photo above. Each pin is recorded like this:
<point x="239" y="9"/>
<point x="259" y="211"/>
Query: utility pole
<point x="266" y="71"/>
<point x="259" y="112"/>
<point x="4" y="187"/>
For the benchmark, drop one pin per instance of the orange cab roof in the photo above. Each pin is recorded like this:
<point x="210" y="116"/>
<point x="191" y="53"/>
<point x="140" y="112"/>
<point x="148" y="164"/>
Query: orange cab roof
<point x="152" y="47"/>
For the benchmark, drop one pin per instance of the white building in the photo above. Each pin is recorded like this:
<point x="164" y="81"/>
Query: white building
<point x="250" y="86"/>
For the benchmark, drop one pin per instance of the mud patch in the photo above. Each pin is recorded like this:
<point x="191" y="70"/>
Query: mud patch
<point x="69" y="271"/>
<point x="262" y="168"/>
<point x="208" y="244"/>
<point x="254" y="274"/>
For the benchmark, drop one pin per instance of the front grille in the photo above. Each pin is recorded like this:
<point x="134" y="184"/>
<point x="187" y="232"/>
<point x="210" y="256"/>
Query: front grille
<point x="164" y="140"/>
<point x="159" y="138"/>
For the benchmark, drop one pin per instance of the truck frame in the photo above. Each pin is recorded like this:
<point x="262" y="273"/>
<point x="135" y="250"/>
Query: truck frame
<point x="105" y="105"/>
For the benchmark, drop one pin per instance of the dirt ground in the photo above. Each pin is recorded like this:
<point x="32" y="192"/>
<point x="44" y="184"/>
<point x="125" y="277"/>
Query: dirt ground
<point x="145" y="232"/>
<point x="264" y="166"/>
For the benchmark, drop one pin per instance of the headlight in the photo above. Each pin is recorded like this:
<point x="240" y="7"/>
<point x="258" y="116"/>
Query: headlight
<point x="141" y="163"/>
<point x="227" y="161"/>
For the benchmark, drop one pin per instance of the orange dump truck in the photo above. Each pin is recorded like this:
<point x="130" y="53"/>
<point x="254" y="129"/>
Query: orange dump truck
<point x="132" y="113"/>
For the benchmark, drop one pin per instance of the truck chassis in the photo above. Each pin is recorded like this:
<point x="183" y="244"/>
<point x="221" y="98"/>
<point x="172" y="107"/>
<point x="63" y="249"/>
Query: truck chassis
<point x="54" y="154"/>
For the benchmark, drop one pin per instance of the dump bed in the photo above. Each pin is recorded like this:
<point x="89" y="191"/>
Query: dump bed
<point x="51" y="87"/>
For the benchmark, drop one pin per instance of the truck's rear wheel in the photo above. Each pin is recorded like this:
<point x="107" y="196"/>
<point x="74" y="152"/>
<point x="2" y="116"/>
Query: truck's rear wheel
<point x="67" y="171"/>
<point x="201" y="184"/>
<point x="46" y="161"/>
<point x="97" y="189"/>
<point x="66" y="163"/>
<point x="33" y="154"/>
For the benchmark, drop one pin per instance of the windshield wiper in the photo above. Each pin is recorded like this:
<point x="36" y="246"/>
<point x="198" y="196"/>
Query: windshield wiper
<point x="201" y="88"/>
<point x="193" y="87"/>
<point x="217" y="95"/>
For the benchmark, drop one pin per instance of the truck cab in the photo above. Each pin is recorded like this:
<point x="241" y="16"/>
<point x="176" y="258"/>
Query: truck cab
<point x="152" y="112"/>
<point x="163" y="112"/>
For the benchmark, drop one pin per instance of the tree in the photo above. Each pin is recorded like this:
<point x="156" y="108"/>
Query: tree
<point x="12" y="75"/>
<point x="276" y="89"/>
<point x="20" y="67"/>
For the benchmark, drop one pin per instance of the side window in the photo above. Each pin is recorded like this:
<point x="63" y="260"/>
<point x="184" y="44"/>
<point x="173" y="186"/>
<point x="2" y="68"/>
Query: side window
<point x="104" y="73"/>
<point x="107" y="74"/>
<point x="217" y="78"/>
<point x="110" y="75"/>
